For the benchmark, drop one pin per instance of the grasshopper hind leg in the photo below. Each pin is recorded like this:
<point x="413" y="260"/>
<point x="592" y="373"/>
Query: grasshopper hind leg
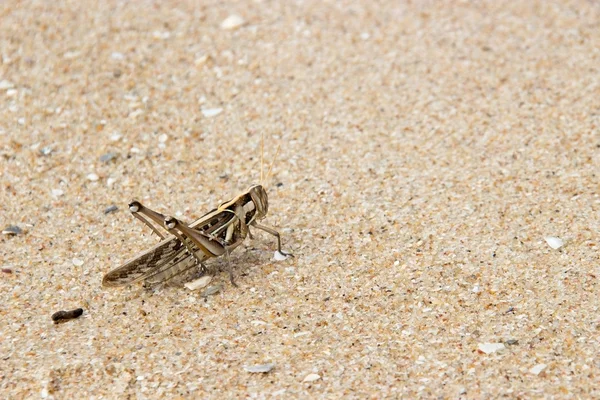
<point x="146" y="215"/>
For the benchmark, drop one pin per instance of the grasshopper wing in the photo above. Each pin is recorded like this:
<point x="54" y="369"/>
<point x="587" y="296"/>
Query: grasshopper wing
<point x="165" y="254"/>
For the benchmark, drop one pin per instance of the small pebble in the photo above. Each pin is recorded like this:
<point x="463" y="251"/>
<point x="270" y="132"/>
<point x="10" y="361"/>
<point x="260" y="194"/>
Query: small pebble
<point x="201" y="60"/>
<point x="115" y="55"/>
<point x="105" y="158"/>
<point x="46" y="150"/>
<point x="77" y="262"/>
<point x="115" y="137"/>
<point x="489" y="348"/>
<point x="110" y="209"/>
<point x="312" y="378"/>
<point x="211" y="112"/>
<point x="209" y="291"/>
<point x="232" y="22"/>
<point x="163" y="138"/>
<point x="162" y="35"/>
<point x="63" y="316"/>
<point x="538" y="369"/>
<point x="70" y="55"/>
<point x="198" y="283"/>
<point x="277" y="256"/>
<point x="554" y="242"/>
<point x="259" y="368"/>
<point x="57" y="192"/>
<point x="92" y="177"/>
<point x="4" y="84"/>
<point x="12" y="230"/>
<point x="511" y="342"/>
<point x="110" y="181"/>
<point x="7" y="270"/>
<point x="135" y="114"/>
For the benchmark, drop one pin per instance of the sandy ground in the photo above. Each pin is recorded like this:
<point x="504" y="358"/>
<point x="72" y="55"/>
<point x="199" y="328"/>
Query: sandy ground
<point x="427" y="151"/>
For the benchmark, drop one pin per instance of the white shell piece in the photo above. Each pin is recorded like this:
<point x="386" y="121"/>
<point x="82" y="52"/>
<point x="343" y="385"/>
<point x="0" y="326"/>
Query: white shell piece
<point x="554" y="242"/>
<point x="489" y="348"/>
<point x="199" y="283"/>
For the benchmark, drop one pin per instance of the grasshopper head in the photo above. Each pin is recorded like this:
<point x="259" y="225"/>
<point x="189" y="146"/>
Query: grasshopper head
<point x="260" y="199"/>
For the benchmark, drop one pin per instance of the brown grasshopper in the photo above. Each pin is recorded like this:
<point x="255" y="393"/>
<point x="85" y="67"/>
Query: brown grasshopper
<point x="216" y="233"/>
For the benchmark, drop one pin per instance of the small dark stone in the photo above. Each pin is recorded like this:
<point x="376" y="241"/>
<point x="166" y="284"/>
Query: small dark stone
<point x="511" y="342"/>
<point x="110" y="209"/>
<point x="63" y="316"/>
<point x="279" y="184"/>
<point x="7" y="270"/>
<point x="12" y="230"/>
<point x="117" y="73"/>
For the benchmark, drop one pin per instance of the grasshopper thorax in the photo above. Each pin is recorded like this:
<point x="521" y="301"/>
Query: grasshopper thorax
<point x="260" y="200"/>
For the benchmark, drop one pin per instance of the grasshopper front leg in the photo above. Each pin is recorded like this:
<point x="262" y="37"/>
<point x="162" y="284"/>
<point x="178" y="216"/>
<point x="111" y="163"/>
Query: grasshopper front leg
<point x="274" y="233"/>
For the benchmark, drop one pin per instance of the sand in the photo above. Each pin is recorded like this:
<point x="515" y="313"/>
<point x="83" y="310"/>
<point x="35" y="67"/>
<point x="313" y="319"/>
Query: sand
<point x="428" y="150"/>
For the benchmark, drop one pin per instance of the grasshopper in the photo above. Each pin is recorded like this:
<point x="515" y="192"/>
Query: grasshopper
<point x="215" y="234"/>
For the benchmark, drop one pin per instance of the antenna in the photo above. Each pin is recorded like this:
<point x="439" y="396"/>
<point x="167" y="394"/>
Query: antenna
<point x="273" y="162"/>
<point x="262" y="155"/>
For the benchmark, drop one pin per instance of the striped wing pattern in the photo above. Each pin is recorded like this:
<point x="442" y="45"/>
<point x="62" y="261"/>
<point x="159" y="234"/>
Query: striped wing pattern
<point x="166" y="259"/>
<point x="146" y="263"/>
<point x="181" y="263"/>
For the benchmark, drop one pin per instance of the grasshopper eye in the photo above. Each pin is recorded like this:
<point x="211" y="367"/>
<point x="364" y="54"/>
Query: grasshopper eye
<point x="134" y="206"/>
<point x="170" y="222"/>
